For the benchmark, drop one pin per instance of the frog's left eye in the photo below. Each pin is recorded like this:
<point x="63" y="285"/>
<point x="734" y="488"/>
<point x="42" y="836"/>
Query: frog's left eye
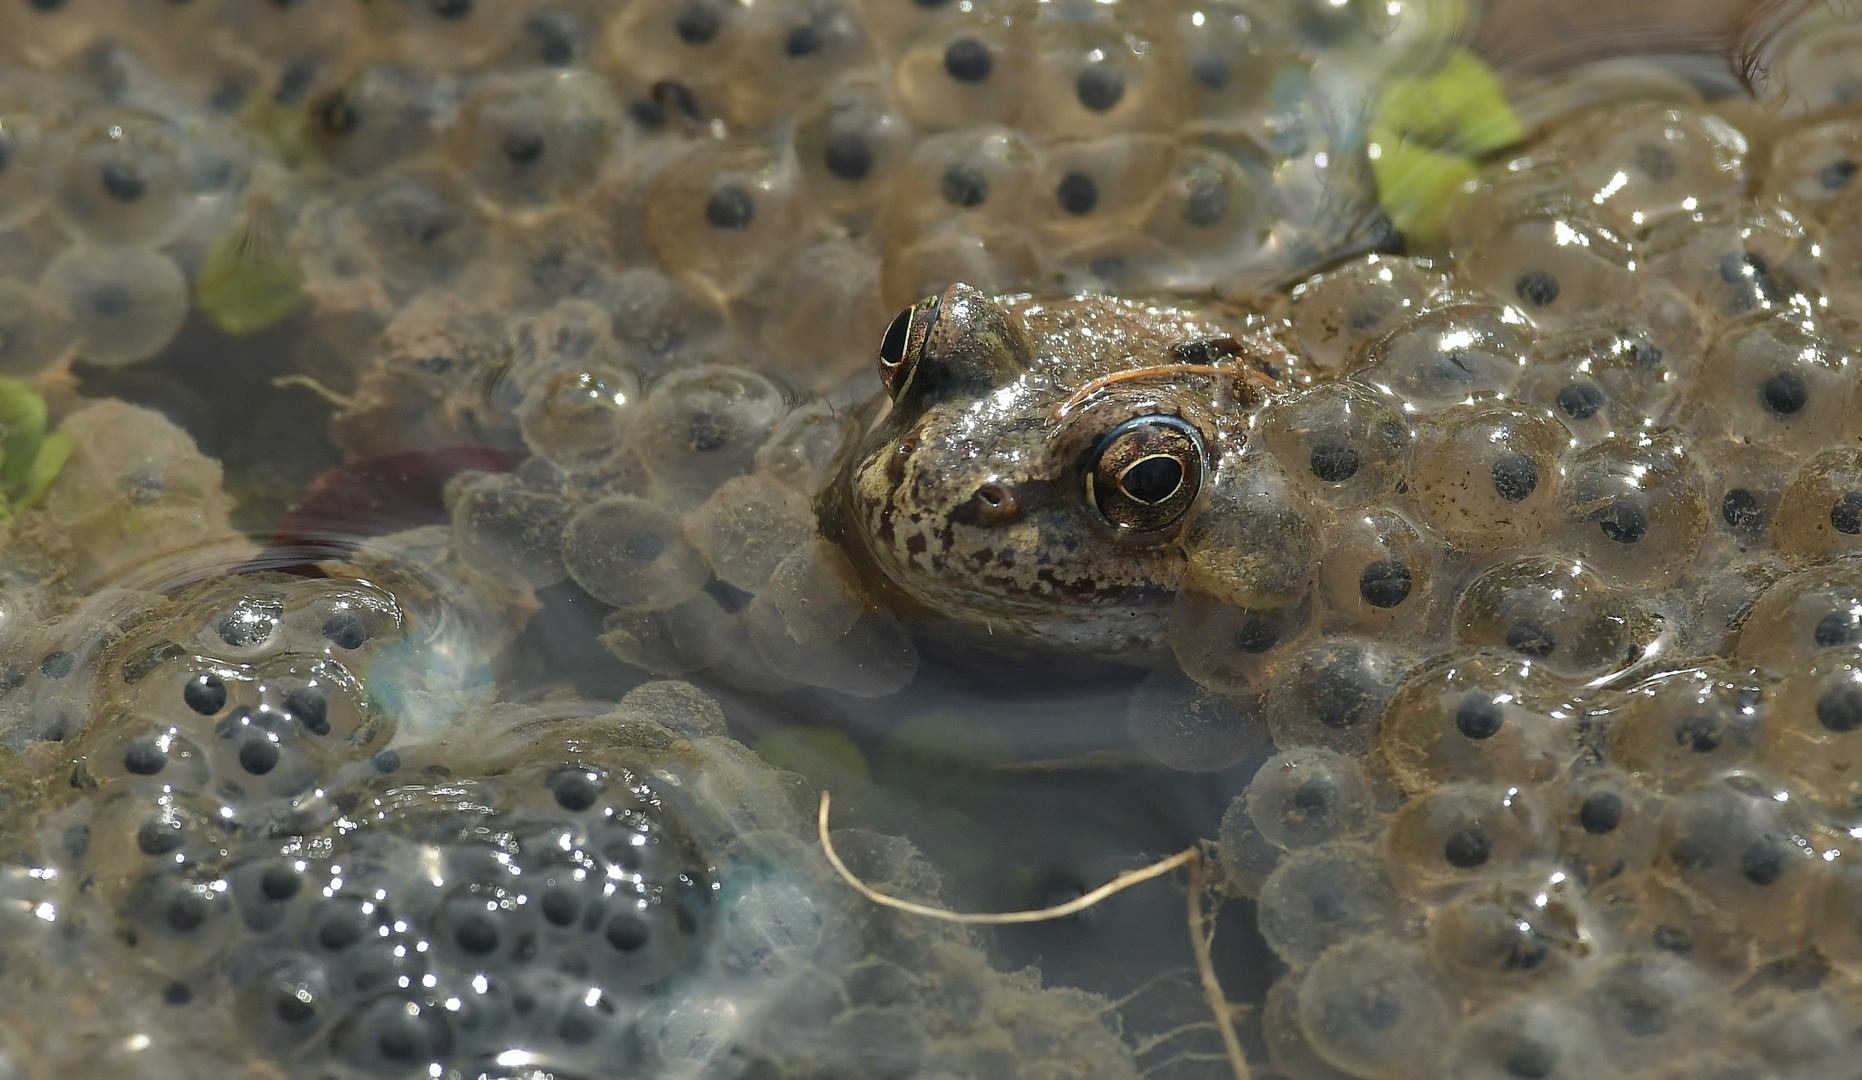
<point x="904" y="344"/>
<point x="1143" y="475"/>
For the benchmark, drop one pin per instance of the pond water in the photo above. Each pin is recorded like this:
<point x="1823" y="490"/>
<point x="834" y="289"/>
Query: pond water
<point x="475" y="471"/>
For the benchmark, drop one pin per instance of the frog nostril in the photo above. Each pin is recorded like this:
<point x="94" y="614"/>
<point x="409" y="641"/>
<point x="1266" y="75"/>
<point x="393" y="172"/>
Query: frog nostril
<point x="995" y="504"/>
<point x="895" y="462"/>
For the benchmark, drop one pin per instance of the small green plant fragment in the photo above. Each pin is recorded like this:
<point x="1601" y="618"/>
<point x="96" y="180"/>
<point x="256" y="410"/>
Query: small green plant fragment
<point x="46" y="465"/>
<point x="1427" y="134"/>
<point x="246" y="283"/>
<point x="30" y="459"/>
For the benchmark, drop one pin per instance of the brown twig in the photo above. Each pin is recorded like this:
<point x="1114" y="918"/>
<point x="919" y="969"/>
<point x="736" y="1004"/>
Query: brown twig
<point x="1189" y="856"/>
<point x="1202" y="936"/>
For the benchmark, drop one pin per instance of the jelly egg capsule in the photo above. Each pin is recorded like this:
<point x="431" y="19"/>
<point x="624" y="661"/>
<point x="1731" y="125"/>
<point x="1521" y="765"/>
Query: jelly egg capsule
<point x="577" y="411"/>
<point x="1230" y="57"/>
<point x="1351" y="438"/>
<point x="705" y="425"/>
<point x="687" y="45"/>
<point x="1558" y="268"/>
<point x="1556" y="612"/>
<point x="806" y="446"/>
<point x="1287" y="1046"/>
<point x="1478" y="716"/>
<point x="447" y="35"/>
<point x="126" y="303"/>
<point x="850" y="146"/>
<point x="1801" y="616"/>
<point x="1529" y="932"/>
<point x="787" y="51"/>
<point x="1320" y="896"/>
<point x="1814" y="165"/>
<point x="748" y="526"/>
<point x="1339" y="312"/>
<point x="1333" y="693"/>
<point x="1250" y="542"/>
<point x="980" y="178"/>
<point x="1230" y="649"/>
<point x="832" y="283"/>
<point x="1811" y="734"/>
<point x="126" y="180"/>
<point x="657" y="319"/>
<point x="723" y="211"/>
<point x="33" y="146"/>
<point x="1681" y="728"/>
<point x="380" y="114"/>
<point x="630" y="553"/>
<point x="1377" y="570"/>
<point x="1308" y="796"/>
<point x="964" y="71"/>
<point x="1447" y="355"/>
<point x="1740" y="848"/>
<point x="1835" y="915"/>
<point x="1741" y="260"/>
<point x="1462" y="832"/>
<point x="1215" y="206"/>
<point x="1634" y="508"/>
<point x="1096" y="185"/>
<point x="1528" y="1037"/>
<point x="1607" y="827"/>
<point x="1487" y="476"/>
<point x="1092" y="77"/>
<point x="994" y="259"/>
<point x="1246" y="857"/>
<point x="1810" y="66"/>
<point x="507" y="527"/>
<point x="1819" y="515"/>
<point x="530" y="143"/>
<point x="1186" y="727"/>
<point x="418" y="225"/>
<point x="687" y="637"/>
<point x="35" y="329"/>
<point x="1643" y="163"/>
<point x="1371" y="1007"/>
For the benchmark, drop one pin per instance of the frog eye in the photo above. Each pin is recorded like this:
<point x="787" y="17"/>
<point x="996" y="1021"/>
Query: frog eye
<point x="904" y="344"/>
<point x="1143" y="475"/>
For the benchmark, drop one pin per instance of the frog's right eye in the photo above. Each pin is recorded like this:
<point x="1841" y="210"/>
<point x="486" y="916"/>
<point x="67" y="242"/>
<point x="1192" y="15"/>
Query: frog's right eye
<point x="904" y="344"/>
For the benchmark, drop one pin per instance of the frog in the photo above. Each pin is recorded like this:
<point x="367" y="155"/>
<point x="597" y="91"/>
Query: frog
<point x="1032" y="469"/>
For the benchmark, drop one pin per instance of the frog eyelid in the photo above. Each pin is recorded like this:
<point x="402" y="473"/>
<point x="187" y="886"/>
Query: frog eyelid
<point x="903" y="347"/>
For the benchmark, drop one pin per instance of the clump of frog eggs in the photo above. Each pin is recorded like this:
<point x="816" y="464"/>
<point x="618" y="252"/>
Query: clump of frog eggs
<point x="1552" y="606"/>
<point x="240" y="863"/>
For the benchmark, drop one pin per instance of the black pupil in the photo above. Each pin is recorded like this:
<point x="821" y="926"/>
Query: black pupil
<point x="892" y="349"/>
<point x="1152" y="480"/>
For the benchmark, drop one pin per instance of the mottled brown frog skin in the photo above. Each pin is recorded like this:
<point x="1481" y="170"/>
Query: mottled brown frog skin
<point x="1040" y="457"/>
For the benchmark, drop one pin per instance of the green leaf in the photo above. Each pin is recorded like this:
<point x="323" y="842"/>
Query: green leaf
<point x="246" y="282"/>
<point x="46" y="465"/>
<point x="1459" y="107"/>
<point x="22" y="417"/>
<point x="1417" y="186"/>
<point x="1427" y="133"/>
